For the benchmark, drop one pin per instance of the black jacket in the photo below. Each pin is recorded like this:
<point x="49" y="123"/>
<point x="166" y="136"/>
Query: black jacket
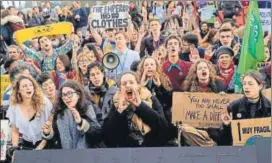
<point x="117" y="132"/>
<point x="147" y="45"/>
<point x="241" y="107"/>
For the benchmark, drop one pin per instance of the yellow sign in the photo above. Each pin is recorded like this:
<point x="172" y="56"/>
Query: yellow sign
<point x="52" y="29"/>
<point x="245" y="131"/>
<point x="201" y="110"/>
<point x="5" y="82"/>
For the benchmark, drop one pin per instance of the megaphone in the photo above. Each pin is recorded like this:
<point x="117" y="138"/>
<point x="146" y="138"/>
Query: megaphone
<point x="111" y="61"/>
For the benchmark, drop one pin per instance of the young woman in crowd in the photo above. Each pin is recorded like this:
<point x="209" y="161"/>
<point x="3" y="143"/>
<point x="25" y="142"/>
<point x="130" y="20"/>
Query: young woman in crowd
<point x="83" y="60"/>
<point x="202" y="78"/>
<point x="252" y="105"/>
<point x="90" y="49"/>
<point x="28" y="111"/>
<point x="151" y="76"/>
<point x="136" y="118"/>
<point x="48" y="86"/>
<point x="63" y="70"/>
<point x="225" y="68"/>
<point x="100" y="89"/>
<point x="74" y="123"/>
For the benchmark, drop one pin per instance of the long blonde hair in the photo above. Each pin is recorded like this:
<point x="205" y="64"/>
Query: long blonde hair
<point x="37" y="98"/>
<point x="79" y="73"/>
<point x="163" y="78"/>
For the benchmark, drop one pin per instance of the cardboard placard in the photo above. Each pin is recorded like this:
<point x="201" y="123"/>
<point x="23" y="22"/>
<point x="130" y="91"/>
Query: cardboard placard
<point x="5" y="82"/>
<point x="267" y="93"/>
<point x="110" y="16"/>
<point x="245" y="131"/>
<point x="5" y="137"/>
<point x="52" y="29"/>
<point x="201" y="110"/>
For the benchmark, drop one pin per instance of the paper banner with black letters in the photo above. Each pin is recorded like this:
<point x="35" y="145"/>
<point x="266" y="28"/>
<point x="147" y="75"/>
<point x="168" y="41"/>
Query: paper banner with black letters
<point x="244" y="132"/>
<point x="201" y="110"/>
<point x="110" y="16"/>
<point x="47" y="30"/>
<point x="5" y="82"/>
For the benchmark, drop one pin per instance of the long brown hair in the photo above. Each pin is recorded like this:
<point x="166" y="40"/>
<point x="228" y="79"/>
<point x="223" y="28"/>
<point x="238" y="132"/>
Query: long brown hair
<point x="37" y="98"/>
<point x="163" y="78"/>
<point x="192" y="79"/>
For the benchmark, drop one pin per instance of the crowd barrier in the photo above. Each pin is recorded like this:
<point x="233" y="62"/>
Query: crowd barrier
<point x="261" y="153"/>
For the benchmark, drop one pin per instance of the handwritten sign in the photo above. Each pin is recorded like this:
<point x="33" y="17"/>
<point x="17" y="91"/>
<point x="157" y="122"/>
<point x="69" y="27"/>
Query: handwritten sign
<point x="201" y="110"/>
<point x="110" y="16"/>
<point x="207" y="14"/>
<point x="5" y="82"/>
<point x="46" y="30"/>
<point x="267" y="93"/>
<point x="5" y="135"/>
<point x="265" y="15"/>
<point x="245" y="131"/>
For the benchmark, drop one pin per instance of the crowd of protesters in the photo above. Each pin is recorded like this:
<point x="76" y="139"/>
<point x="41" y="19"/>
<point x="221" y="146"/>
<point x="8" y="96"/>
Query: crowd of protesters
<point x="62" y="97"/>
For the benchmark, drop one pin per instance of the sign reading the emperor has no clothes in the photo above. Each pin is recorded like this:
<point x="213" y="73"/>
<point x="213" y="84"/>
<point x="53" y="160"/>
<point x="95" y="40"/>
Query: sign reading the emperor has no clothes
<point x="110" y="16"/>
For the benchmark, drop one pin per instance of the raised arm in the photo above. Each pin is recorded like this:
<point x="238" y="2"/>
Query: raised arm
<point x="34" y="55"/>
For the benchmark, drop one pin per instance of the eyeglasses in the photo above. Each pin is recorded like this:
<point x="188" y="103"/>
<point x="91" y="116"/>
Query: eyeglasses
<point x="68" y="94"/>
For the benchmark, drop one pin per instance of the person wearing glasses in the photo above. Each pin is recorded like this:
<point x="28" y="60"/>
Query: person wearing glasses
<point x="74" y="124"/>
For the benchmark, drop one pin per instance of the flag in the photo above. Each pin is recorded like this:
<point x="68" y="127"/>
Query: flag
<point x="252" y="51"/>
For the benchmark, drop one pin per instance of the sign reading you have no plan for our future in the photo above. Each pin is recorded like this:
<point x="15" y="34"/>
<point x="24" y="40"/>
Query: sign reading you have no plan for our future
<point x="201" y="110"/>
<point x="110" y="16"/>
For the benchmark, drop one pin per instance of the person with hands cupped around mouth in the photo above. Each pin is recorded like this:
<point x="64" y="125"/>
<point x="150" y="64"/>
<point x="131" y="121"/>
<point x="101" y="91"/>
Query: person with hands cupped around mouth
<point x="136" y="118"/>
<point x="74" y="123"/>
<point x="252" y="105"/>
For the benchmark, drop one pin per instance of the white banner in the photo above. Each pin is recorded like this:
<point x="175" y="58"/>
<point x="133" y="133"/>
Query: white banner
<point x="265" y="14"/>
<point x="110" y="16"/>
<point x="5" y="137"/>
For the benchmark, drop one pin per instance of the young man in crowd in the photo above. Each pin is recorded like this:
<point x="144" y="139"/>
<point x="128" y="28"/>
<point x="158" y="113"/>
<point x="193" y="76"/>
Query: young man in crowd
<point x="126" y="56"/>
<point x="189" y="47"/>
<point x="152" y="42"/>
<point x="175" y="68"/>
<point x="48" y="55"/>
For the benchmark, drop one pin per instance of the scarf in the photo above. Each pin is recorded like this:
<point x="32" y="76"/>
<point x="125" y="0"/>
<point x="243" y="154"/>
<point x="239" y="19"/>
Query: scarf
<point x="268" y="70"/>
<point x="98" y="92"/>
<point x="173" y="66"/>
<point x="145" y="96"/>
<point x="60" y="79"/>
<point x="226" y="74"/>
<point x="200" y="87"/>
<point x="69" y="135"/>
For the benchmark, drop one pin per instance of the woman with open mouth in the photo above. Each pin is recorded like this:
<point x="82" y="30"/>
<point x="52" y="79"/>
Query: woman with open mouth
<point x="28" y="111"/>
<point x="201" y="78"/>
<point x="151" y="76"/>
<point x="136" y="118"/>
<point x="100" y="89"/>
<point x="252" y="105"/>
<point x="74" y="123"/>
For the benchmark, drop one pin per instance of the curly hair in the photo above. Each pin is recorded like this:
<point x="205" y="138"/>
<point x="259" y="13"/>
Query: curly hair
<point x="37" y="98"/>
<point x="163" y="78"/>
<point x="192" y="79"/>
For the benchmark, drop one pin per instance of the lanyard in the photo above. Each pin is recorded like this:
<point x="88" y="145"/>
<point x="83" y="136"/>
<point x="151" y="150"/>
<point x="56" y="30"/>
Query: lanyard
<point x="123" y="65"/>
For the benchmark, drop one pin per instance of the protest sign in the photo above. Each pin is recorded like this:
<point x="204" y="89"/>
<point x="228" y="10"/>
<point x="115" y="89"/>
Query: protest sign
<point x="265" y="14"/>
<point x="267" y="93"/>
<point x="201" y="110"/>
<point x="46" y="30"/>
<point x="5" y="137"/>
<point x="110" y="16"/>
<point x="207" y="14"/>
<point x="5" y="82"/>
<point x="245" y="131"/>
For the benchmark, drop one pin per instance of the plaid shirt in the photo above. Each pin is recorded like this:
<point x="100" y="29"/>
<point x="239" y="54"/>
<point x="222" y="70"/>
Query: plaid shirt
<point x="47" y="62"/>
